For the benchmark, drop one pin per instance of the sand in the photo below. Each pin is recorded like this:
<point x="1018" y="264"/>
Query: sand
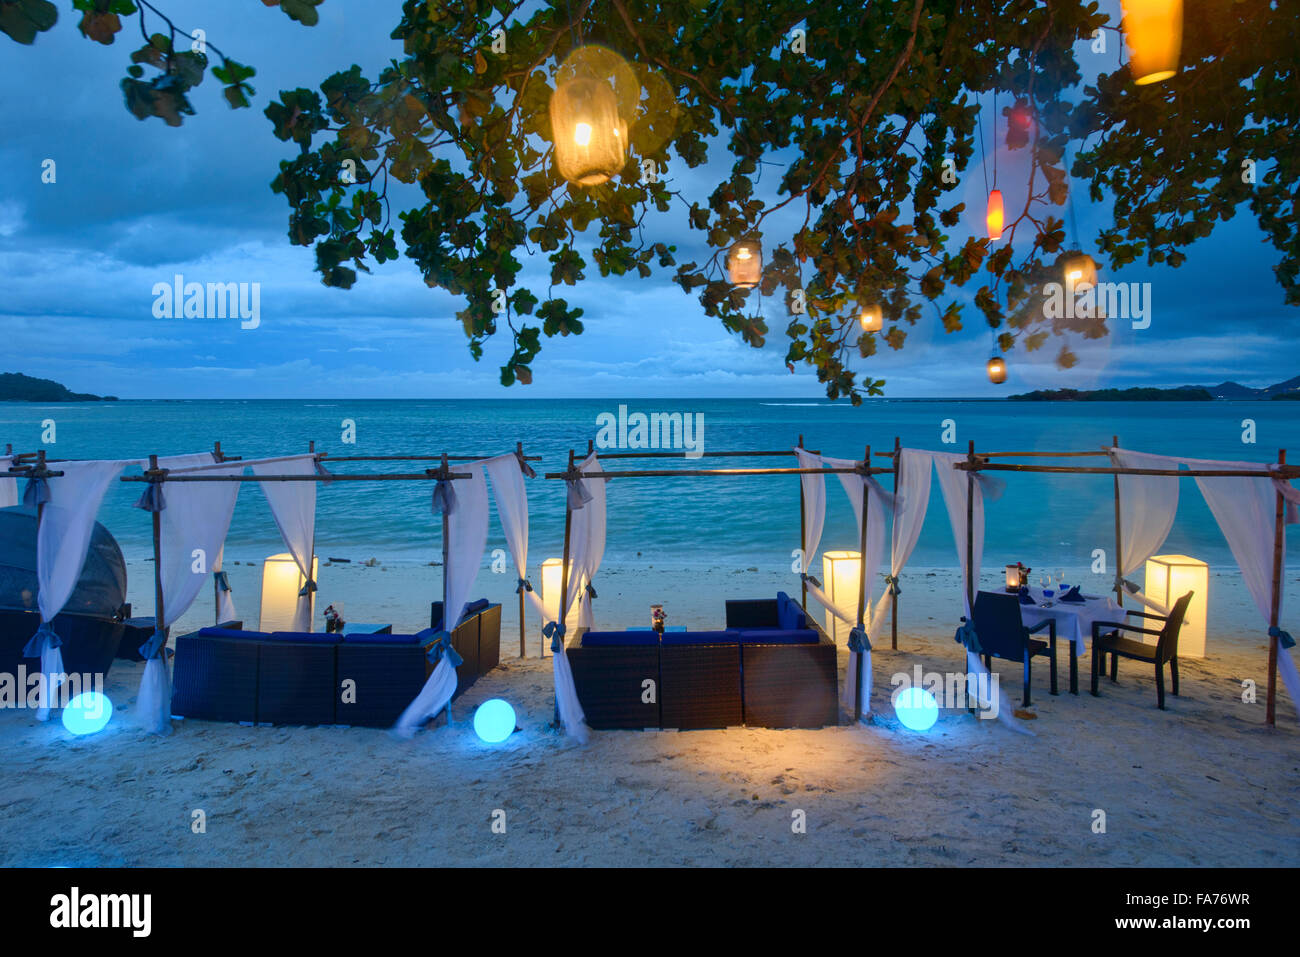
<point x="1204" y="783"/>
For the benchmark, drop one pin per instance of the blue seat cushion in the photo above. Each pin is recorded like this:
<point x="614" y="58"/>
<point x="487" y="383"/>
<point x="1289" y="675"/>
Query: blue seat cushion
<point x="779" y="636"/>
<point x="369" y="638"/>
<point x="701" y="637"/>
<point x="602" y="639"/>
<point x="213" y="632"/>
<point x="474" y="607"/>
<point x="314" y="637"/>
<point x="790" y="617"/>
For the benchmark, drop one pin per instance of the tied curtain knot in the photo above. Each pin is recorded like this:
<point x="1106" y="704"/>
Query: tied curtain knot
<point x="444" y="496"/>
<point x="36" y="491"/>
<point x="222" y="580"/>
<point x="526" y="468"/>
<point x="1283" y="638"/>
<point x="441" y="648"/>
<point x="523" y="586"/>
<point x="966" y="636"/>
<point x="151" y="499"/>
<point x="810" y="579"/>
<point x="555" y="631"/>
<point x="892" y="582"/>
<point x="44" y="638"/>
<point x="578" y="494"/>
<point x="1128" y="586"/>
<point x="308" y="588"/>
<point x="153" y="648"/>
<point x="591" y="591"/>
<point x="323" y="472"/>
<point x="858" y="640"/>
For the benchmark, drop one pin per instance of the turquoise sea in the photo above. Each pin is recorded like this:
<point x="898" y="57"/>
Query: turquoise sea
<point x="1043" y="520"/>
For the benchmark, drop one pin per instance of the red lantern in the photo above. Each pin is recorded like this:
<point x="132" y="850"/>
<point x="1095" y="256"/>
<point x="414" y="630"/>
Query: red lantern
<point x="994" y="216"/>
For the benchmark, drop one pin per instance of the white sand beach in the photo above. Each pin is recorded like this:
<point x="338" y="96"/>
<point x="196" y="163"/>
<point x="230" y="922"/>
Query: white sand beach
<point x="1204" y="783"/>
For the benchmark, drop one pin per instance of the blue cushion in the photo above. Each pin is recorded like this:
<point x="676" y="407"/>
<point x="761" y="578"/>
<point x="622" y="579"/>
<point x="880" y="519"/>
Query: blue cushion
<point x="211" y="632"/>
<point x="701" y="637"/>
<point x="779" y="636"/>
<point x="474" y="607"/>
<point x="315" y="637"/>
<point x="790" y="616"/>
<point x="601" y="639"/>
<point x="369" y="638"/>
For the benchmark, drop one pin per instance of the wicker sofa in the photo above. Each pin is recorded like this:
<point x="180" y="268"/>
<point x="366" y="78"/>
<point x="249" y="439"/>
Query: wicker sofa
<point x="772" y="666"/>
<point x="228" y="674"/>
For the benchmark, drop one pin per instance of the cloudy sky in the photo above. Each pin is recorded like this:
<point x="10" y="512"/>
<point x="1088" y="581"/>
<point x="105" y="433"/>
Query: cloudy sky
<point x="136" y="203"/>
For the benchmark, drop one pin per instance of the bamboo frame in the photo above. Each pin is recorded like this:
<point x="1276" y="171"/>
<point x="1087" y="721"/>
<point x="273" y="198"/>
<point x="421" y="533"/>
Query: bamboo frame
<point x="1284" y="472"/>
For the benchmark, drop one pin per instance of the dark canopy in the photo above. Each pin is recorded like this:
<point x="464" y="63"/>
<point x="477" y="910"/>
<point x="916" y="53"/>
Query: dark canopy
<point x="100" y="590"/>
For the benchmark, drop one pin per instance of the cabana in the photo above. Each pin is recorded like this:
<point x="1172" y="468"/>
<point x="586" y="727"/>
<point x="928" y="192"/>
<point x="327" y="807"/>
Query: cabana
<point x="584" y="543"/>
<point x="196" y="509"/>
<point x="1251" y="503"/>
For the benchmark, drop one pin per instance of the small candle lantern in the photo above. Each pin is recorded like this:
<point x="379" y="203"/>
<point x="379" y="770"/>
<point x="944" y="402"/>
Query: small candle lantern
<point x="745" y="263"/>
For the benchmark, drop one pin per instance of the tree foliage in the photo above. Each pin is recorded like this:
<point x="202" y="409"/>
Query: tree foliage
<point x="836" y="131"/>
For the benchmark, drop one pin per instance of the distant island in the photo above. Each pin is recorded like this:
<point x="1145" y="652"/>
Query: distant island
<point x="1182" y="394"/>
<point x="1290" y="389"/>
<point x="16" y="387"/>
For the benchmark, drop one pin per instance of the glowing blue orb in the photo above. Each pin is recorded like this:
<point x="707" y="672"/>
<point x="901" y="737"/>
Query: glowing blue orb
<point x="917" y="709"/>
<point x="494" y="721"/>
<point x="87" y="713"/>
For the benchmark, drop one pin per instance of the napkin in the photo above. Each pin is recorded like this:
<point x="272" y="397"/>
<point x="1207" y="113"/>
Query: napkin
<point x="1026" y="598"/>
<point x="1073" y="595"/>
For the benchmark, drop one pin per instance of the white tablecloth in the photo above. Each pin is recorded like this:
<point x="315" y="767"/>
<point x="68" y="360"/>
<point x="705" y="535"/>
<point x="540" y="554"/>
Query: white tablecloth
<point x="1073" y="621"/>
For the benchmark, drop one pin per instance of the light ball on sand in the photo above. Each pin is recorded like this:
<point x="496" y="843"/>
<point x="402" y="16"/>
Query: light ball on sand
<point x="494" y="721"/>
<point x="917" y="709"/>
<point x="87" y="713"/>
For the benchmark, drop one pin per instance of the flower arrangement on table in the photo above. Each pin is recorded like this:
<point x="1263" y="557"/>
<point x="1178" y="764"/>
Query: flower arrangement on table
<point x="657" y="618"/>
<point x="333" y="621"/>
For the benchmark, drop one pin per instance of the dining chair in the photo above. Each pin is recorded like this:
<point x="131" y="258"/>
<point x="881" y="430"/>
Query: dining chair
<point x="1002" y="634"/>
<point x="1164" y="651"/>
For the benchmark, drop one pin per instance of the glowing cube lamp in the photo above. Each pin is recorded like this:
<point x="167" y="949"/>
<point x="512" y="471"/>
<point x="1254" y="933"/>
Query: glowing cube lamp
<point x="841" y="575"/>
<point x="1169" y="578"/>
<point x="281" y="582"/>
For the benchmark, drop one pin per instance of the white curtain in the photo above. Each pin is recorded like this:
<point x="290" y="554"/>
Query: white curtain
<point x="814" y="506"/>
<point x="465" y="522"/>
<point x="225" y="596"/>
<point x="1246" y="511"/>
<point x="911" y="502"/>
<point x="511" y="496"/>
<point x="66" y="523"/>
<point x="293" y="505"/>
<point x="586" y="548"/>
<point x="8" y="486"/>
<point x="955" y="485"/>
<point x="1148" y="504"/>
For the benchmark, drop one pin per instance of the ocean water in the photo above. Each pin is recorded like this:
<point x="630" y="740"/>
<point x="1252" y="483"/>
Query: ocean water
<point x="1046" y="521"/>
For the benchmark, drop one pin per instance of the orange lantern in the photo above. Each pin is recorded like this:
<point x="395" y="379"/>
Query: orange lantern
<point x="997" y="370"/>
<point x="872" y="318"/>
<point x="1153" y="30"/>
<point x="994" y="215"/>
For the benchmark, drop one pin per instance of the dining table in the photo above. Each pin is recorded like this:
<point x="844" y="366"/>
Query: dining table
<point x="1073" y="622"/>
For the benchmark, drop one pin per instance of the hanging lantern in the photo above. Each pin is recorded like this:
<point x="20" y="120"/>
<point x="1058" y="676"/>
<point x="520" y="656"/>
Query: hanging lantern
<point x="1080" y="272"/>
<point x="997" y="370"/>
<point x="994" y="215"/>
<point x="871" y="318"/>
<point x="1153" y="30"/>
<point x="745" y="263"/>
<point x="589" y="111"/>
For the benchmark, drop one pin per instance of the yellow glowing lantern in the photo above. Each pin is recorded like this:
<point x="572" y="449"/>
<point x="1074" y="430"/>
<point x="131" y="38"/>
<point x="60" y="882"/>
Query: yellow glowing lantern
<point x="594" y="93"/>
<point x="994" y="215"/>
<point x="283" y="609"/>
<point x="1013" y="578"/>
<point x="1153" y="30"/>
<point x="745" y="263"/>
<point x="871" y="318"/>
<point x="1080" y="273"/>
<point x="997" y="370"/>
<point x="841" y="576"/>
<point x="1169" y="578"/>
<point x="552" y="572"/>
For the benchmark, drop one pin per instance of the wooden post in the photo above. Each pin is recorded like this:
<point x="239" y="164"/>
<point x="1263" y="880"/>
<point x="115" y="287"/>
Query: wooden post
<point x="1119" y="540"/>
<point x="803" y="542"/>
<point x="446" y="553"/>
<point x="1279" y="540"/>
<point x="158" y="610"/>
<point x="862" y="586"/>
<point x="893" y="609"/>
<point x="564" y="576"/>
<point x="970" y="528"/>
<point x="519" y="451"/>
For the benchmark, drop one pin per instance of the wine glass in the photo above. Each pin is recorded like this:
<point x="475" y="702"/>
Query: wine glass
<point x="1046" y="582"/>
<point x="1062" y="587"/>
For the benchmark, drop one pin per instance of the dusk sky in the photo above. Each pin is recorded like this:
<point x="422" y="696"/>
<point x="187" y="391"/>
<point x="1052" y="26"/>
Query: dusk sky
<point x="136" y="203"/>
